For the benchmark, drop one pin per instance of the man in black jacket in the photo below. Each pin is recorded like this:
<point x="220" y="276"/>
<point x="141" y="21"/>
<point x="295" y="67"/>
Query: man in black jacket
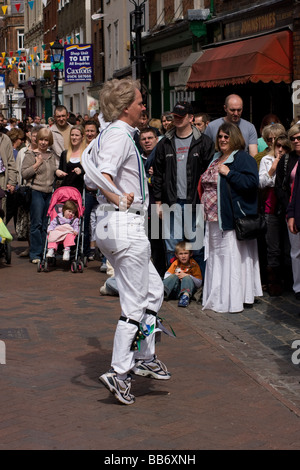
<point x="181" y="158"/>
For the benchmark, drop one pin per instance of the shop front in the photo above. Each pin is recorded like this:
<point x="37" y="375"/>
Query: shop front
<point x="251" y="55"/>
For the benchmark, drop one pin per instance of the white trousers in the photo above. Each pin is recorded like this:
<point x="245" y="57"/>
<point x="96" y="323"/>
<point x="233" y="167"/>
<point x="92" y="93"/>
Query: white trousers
<point x="122" y="239"/>
<point x="295" y="258"/>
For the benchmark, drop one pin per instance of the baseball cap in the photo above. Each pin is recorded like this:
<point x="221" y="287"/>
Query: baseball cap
<point x="182" y="108"/>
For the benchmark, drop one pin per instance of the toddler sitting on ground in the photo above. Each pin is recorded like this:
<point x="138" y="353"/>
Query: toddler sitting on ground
<point x="183" y="277"/>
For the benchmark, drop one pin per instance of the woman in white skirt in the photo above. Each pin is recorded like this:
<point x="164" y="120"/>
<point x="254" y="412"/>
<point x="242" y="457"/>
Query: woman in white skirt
<point x="228" y="189"/>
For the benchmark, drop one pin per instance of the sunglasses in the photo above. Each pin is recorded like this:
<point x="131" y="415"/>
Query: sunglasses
<point x="224" y="136"/>
<point x="292" y="139"/>
<point x="270" y="139"/>
<point x="282" y="146"/>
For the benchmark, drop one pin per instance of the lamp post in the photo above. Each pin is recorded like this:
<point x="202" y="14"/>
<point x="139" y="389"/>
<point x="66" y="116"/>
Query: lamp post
<point x="136" y="26"/>
<point x="10" y="91"/>
<point x="57" y="55"/>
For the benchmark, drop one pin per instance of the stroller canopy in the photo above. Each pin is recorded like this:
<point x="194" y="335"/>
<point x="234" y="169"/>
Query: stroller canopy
<point x="63" y="194"/>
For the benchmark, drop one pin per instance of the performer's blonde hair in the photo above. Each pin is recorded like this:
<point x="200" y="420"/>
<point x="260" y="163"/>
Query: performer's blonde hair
<point x="116" y="95"/>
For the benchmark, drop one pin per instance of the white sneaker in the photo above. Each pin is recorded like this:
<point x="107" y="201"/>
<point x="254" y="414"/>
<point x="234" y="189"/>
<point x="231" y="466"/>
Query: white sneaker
<point x="103" y="268"/>
<point x="154" y="369"/>
<point x="50" y="253"/>
<point x="66" y="255"/>
<point x="118" y="387"/>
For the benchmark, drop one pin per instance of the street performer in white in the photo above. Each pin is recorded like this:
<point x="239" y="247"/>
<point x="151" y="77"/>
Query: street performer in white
<point x="113" y="164"/>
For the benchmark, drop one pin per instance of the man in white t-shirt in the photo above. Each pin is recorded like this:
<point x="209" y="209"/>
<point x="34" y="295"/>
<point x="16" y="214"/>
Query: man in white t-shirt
<point x="233" y="108"/>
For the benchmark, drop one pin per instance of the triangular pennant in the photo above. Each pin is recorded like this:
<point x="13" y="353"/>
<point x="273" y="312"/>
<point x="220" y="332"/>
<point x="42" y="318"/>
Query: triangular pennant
<point x="4" y="8"/>
<point x="43" y="46"/>
<point x="17" y="5"/>
<point x="31" y="3"/>
<point x="35" y="48"/>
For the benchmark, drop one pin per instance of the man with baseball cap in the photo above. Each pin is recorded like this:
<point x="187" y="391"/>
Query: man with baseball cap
<point x="181" y="158"/>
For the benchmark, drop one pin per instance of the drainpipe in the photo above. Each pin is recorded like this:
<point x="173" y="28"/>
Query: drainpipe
<point x="88" y="25"/>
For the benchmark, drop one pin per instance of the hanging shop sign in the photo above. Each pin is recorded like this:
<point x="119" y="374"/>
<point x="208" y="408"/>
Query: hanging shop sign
<point x="78" y="59"/>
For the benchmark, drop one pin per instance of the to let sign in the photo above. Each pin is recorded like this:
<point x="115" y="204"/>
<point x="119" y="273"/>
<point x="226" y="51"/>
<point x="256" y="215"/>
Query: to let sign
<point x="78" y="60"/>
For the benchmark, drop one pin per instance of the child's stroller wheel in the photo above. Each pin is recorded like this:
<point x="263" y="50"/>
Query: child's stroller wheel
<point x="39" y="267"/>
<point x="46" y="267"/>
<point x="80" y="266"/>
<point x="8" y="253"/>
<point x="74" y="267"/>
<point x="85" y="261"/>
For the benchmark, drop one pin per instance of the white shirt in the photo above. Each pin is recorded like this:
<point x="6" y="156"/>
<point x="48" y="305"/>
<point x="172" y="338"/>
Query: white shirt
<point x="115" y="153"/>
<point x="265" y="180"/>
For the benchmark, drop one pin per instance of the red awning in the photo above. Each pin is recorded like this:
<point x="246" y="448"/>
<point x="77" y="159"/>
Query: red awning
<point x="265" y="58"/>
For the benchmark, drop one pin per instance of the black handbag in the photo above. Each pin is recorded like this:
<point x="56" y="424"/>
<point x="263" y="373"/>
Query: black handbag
<point x="248" y="227"/>
<point x="24" y="194"/>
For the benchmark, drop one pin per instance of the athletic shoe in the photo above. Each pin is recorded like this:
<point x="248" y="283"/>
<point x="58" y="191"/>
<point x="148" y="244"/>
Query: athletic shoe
<point x="119" y="388"/>
<point x="103" y="268"/>
<point x="184" y="301"/>
<point x="66" y="255"/>
<point x="35" y="261"/>
<point x="105" y="290"/>
<point x="50" y="253"/>
<point x="154" y="369"/>
<point x="24" y="253"/>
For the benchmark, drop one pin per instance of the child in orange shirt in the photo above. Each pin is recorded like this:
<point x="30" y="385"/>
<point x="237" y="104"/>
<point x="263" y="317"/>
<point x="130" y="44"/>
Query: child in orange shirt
<point x="183" y="277"/>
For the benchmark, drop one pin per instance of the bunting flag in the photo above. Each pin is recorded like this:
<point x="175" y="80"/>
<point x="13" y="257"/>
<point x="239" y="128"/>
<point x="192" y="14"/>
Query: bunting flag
<point x="4" y="8"/>
<point x="31" y="3"/>
<point x="17" y="5"/>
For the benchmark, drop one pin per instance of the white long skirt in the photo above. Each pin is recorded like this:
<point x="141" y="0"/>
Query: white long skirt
<point x="232" y="275"/>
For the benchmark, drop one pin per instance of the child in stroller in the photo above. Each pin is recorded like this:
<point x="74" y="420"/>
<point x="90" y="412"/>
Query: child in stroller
<point x="63" y="228"/>
<point x="59" y="197"/>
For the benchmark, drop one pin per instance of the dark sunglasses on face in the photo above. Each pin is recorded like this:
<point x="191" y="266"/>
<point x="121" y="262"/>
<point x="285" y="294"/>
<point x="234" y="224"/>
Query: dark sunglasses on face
<point x="270" y="139"/>
<point x="224" y="136"/>
<point x="282" y="146"/>
<point x="292" y="139"/>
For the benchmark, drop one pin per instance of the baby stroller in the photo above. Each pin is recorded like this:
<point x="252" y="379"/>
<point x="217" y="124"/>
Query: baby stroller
<point x="5" y="236"/>
<point x="59" y="197"/>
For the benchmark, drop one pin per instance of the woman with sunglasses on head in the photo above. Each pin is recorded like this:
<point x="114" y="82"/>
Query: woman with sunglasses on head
<point x="275" y="227"/>
<point x="269" y="134"/>
<point x="287" y="183"/>
<point x="228" y="189"/>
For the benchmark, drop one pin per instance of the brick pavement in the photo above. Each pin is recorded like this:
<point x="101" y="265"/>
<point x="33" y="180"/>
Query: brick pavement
<point x="233" y="385"/>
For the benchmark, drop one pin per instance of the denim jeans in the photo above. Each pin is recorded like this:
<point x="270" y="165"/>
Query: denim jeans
<point x="90" y="203"/>
<point x="111" y="284"/>
<point x="38" y="223"/>
<point x="174" y="287"/>
<point x="174" y="234"/>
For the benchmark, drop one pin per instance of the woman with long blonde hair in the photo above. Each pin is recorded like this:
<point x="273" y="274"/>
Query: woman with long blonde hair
<point x="70" y="170"/>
